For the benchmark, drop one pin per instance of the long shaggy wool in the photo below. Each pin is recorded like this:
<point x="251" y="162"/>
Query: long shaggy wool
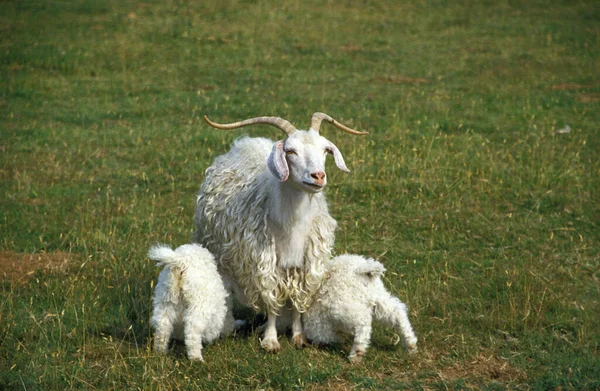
<point x="234" y="221"/>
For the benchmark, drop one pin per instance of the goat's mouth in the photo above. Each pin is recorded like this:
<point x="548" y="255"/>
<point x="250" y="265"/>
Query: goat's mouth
<point x="314" y="186"/>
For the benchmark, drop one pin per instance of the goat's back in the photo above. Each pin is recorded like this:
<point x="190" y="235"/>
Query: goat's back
<point x="247" y="157"/>
<point x="230" y="182"/>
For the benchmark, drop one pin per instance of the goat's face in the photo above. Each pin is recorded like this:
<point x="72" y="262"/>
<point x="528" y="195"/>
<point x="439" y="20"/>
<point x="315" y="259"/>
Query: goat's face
<point x="300" y="158"/>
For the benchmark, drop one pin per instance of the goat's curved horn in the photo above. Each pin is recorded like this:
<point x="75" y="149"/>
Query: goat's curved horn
<point x="280" y="123"/>
<point x="317" y="118"/>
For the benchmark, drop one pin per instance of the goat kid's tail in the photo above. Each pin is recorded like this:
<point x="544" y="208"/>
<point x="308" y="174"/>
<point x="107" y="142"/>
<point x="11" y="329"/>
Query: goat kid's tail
<point x="184" y="257"/>
<point x="165" y="256"/>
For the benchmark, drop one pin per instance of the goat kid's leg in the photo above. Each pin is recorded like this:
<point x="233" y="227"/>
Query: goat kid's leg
<point x="394" y="313"/>
<point x="362" y="337"/>
<point x="269" y="341"/>
<point x="229" y="323"/>
<point x="298" y="336"/>
<point x="193" y="339"/>
<point x="409" y="337"/>
<point x="163" y="328"/>
<point x="161" y="339"/>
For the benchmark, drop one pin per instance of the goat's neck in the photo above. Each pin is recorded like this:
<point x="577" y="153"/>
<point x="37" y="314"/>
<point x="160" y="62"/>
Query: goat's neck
<point x="291" y="219"/>
<point x="291" y="206"/>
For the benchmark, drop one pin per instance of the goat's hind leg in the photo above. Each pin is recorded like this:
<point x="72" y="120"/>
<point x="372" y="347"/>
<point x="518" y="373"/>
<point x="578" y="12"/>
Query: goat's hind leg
<point x="163" y="328"/>
<point x="193" y="338"/>
<point x="394" y="313"/>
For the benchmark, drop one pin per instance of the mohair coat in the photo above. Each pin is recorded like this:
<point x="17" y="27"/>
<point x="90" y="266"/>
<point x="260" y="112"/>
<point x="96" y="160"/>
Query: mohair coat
<point x="247" y="218"/>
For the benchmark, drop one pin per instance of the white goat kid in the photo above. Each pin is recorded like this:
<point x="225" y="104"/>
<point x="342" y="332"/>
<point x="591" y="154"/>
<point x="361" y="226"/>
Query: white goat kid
<point x="262" y="212"/>
<point x="189" y="299"/>
<point x="351" y="296"/>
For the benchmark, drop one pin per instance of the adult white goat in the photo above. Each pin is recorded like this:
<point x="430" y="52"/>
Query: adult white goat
<point x="262" y="212"/>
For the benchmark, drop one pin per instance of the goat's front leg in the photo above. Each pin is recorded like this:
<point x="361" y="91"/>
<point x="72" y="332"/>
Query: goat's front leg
<point x="269" y="341"/>
<point x="298" y="336"/>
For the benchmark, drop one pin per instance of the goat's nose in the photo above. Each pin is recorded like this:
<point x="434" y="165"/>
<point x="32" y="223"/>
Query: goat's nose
<point x="318" y="176"/>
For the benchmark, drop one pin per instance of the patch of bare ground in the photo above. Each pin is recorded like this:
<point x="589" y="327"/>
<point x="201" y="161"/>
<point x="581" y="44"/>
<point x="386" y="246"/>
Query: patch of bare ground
<point x="32" y="201"/>
<point x="583" y="97"/>
<point x="588" y="98"/>
<point x="19" y="267"/>
<point x="569" y="86"/>
<point x="483" y="367"/>
<point x="350" y="48"/>
<point x="397" y="79"/>
<point x="334" y="384"/>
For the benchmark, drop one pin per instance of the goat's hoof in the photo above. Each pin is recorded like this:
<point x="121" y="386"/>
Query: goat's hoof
<point x="300" y="340"/>
<point x="411" y="346"/>
<point x="271" y="345"/>
<point x="195" y="357"/>
<point x="356" y="357"/>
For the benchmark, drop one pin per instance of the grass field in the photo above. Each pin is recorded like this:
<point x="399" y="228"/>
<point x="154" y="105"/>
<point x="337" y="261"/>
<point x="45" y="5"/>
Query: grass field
<point x="478" y="186"/>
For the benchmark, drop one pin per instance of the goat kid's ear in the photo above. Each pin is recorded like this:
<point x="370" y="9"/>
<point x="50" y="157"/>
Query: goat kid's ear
<point x="277" y="163"/>
<point x="337" y="157"/>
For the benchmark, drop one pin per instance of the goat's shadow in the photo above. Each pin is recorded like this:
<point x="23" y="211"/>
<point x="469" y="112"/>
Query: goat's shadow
<point x="253" y="321"/>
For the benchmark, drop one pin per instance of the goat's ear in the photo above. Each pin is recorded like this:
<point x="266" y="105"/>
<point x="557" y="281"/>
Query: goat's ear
<point x="277" y="163"/>
<point x="337" y="157"/>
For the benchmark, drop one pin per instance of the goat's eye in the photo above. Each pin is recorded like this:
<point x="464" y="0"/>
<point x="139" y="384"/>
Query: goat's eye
<point x="328" y="151"/>
<point x="290" y="152"/>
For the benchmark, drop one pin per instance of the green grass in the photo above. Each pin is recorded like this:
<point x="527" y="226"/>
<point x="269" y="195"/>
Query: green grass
<point x="486" y="217"/>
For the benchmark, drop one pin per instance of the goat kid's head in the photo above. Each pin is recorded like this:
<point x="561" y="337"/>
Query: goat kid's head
<point x="300" y="157"/>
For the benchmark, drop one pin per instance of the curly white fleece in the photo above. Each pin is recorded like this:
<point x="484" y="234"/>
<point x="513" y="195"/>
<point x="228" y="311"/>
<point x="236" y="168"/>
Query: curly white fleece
<point x="247" y="218"/>
<point x="190" y="300"/>
<point x="351" y="296"/>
